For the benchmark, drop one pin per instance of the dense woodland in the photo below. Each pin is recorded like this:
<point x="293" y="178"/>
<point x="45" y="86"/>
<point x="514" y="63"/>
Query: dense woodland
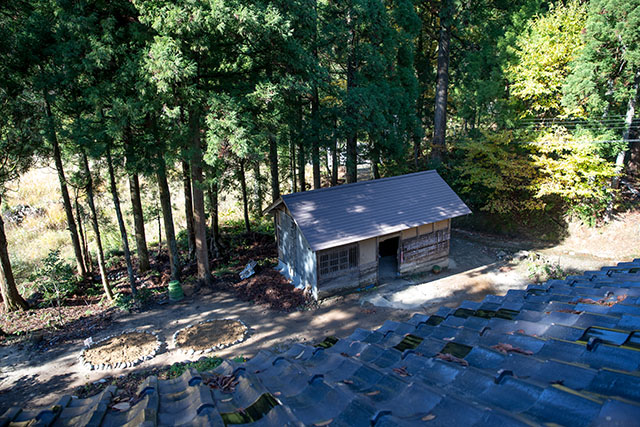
<point x="525" y="107"/>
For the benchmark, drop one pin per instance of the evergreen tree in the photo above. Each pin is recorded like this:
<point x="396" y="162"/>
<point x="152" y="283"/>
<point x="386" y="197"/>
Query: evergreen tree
<point x="19" y="142"/>
<point x="605" y="81"/>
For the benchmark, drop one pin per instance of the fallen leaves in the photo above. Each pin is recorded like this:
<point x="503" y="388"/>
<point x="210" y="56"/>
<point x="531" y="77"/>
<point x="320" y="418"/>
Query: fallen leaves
<point x="451" y="358"/>
<point x="402" y="371"/>
<point x="224" y="383"/>
<point x="505" y="348"/>
<point x="53" y="327"/>
<point x="270" y="288"/>
<point x="607" y="302"/>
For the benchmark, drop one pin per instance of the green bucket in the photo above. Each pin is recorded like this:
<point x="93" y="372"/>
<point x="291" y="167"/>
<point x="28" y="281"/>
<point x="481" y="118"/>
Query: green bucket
<point x="175" y="291"/>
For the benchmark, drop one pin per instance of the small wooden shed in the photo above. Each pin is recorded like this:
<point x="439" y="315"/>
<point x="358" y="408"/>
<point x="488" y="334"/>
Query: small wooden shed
<point x="355" y="235"/>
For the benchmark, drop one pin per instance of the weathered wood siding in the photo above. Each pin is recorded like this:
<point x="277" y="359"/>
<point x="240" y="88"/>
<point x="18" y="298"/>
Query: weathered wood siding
<point x="294" y="252"/>
<point x="425" y="248"/>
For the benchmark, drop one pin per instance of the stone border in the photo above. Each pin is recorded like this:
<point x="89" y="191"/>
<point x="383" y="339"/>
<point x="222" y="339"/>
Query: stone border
<point x="120" y="365"/>
<point x="191" y="352"/>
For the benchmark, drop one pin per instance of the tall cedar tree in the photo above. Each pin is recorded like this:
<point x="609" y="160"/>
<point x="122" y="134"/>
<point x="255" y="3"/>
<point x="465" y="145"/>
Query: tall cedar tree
<point x="606" y="77"/>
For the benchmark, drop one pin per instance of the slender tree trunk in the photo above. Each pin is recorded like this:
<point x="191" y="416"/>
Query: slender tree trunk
<point x="188" y="207"/>
<point x="123" y="229"/>
<point x="292" y="158"/>
<point x="352" y="131"/>
<point x="326" y="159"/>
<point x="417" y="134"/>
<point x="83" y="242"/>
<point x="68" y="209"/>
<point x="10" y="295"/>
<point x="215" y="217"/>
<point x="375" y="160"/>
<point x="634" y="159"/>
<point x="197" y="184"/>
<point x="243" y="185"/>
<point x="214" y="247"/>
<point x="315" y="142"/>
<point x="442" y="84"/>
<point x="301" y="155"/>
<point x="352" y="157"/>
<point x="315" y="106"/>
<point x="417" y="149"/>
<point x="631" y="111"/>
<point x="273" y="164"/>
<point x="167" y="216"/>
<point x="87" y="252"/>
<point x="96" y="227"/>
<point x="159" y="232"/>
<point x="138" y="221"/>
<point x="258" y="188"/>
<point x="335" y="162"/>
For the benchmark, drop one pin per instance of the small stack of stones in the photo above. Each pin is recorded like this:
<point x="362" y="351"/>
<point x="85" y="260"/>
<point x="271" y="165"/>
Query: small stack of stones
<point x="191" y="352"/>
<point x="123" y="364"/>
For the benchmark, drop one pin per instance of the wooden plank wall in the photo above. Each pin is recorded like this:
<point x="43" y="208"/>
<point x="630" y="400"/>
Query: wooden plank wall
<point x="422" y="252"/>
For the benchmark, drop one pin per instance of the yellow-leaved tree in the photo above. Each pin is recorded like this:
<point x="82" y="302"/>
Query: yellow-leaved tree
<point x="571" y="167"/>
<point x="543" y="56"/>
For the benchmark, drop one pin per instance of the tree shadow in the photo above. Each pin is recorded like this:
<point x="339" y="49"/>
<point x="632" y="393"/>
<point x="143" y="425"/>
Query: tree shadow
<point x="29" y="387"/>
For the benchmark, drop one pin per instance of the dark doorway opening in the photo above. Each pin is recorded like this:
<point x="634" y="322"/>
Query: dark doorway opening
<point x="388" y="258"/>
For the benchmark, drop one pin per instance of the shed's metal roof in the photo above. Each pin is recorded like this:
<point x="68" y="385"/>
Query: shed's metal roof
<point x="336" y="216"/>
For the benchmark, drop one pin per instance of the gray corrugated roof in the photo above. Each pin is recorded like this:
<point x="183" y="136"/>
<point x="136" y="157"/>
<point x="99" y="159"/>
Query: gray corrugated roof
<point x="336" y="216"/>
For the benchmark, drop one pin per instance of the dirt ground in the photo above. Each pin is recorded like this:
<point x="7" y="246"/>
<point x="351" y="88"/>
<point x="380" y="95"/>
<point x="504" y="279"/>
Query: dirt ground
<point x="480" y="265"/>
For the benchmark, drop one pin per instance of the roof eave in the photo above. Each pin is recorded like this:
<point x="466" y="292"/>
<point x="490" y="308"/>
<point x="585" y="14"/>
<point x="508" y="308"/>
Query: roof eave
<point x="273" y="206"/>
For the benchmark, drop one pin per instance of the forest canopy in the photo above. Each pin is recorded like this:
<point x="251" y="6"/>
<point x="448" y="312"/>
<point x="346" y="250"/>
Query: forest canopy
<point x="525" y="107"/>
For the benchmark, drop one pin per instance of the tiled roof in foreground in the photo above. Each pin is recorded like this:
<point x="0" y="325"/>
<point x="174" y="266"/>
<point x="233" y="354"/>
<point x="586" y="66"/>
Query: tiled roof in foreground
<point x="566" y="352"/>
